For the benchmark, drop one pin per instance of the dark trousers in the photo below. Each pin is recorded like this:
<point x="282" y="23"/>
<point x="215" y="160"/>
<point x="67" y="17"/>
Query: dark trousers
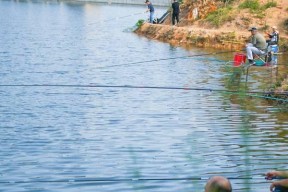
<point x="175" y="16"/>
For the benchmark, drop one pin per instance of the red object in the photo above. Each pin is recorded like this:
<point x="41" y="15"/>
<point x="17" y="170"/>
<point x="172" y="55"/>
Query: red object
<point x="239" y="59"/>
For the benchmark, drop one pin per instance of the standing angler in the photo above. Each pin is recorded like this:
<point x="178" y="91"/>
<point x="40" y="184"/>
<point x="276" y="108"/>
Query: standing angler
<point x="176" y="11"/>
<point x="151" y="10"/>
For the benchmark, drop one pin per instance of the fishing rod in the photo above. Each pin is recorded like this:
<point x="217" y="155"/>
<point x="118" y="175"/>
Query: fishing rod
<point x="169" y="58"/>
<point x="94" y="180"/>
<point x="249" y="93"/>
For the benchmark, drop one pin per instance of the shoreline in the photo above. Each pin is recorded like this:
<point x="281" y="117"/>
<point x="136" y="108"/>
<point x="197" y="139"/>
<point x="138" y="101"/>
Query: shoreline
<point x="204" y="38"/>
<point x="198" y="37"/>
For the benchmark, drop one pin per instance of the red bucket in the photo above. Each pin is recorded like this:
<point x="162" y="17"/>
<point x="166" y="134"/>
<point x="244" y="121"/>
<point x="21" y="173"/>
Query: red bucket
<point x="239" y="59"/>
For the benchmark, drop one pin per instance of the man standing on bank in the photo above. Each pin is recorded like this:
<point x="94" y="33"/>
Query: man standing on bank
<point x="176" y="11"/>
<point x="151" y="10"/>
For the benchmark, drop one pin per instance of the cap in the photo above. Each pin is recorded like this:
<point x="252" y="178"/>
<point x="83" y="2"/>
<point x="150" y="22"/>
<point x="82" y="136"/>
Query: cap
<point x="274" y="27"/>
<point x="253" y="29"/>
<point x="146" y="1"/>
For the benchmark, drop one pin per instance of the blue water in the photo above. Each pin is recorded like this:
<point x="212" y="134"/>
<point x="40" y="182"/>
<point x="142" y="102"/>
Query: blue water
<point x="81" y="138"/>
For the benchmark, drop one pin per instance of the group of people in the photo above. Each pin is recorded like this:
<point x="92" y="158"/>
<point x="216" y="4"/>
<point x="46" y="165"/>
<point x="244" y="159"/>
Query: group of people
<point x="222" y="184"/>
<point x="258" y="44"/>
<point x="175" y="11"/>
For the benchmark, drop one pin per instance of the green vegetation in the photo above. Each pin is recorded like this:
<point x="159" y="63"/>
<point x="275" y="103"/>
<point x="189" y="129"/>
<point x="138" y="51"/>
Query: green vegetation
<point x="250" y="4"/>
<point x="255" y="6"/>
<point x="269" y="4"/>
<point x="220" y="16"/>
<point x="225" y="13"/>
<point x="140" y="23"/>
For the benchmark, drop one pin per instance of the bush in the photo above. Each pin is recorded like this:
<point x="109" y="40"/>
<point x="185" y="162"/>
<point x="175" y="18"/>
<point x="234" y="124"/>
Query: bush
<point x="220" y="16"/>
<point x="250" y="4"/>
<point x="140" y="23"/>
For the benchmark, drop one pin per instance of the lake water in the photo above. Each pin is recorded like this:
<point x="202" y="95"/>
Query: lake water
<point x="75" y="132"/>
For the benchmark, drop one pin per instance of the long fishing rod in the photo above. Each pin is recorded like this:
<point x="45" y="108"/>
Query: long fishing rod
<point x="169" y="58"/>
<point x="249" y="93"/>
<point x="136" y="87"/>
<point x="93" y="180"/>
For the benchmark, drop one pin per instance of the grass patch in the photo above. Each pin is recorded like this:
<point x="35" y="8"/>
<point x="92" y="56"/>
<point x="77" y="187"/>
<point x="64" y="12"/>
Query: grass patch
<point x="270" y="4"/>
<point x="255" y="6"/>
<point x="220" y="16"/>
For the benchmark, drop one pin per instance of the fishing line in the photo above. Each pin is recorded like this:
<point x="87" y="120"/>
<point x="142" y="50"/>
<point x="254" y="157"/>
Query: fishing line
<point x="249" y="93"/>
<point x="116" y="18"/>
<point x="123" y="180"/>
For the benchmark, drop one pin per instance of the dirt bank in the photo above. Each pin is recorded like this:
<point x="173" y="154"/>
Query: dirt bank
<point x="191" y="36"/>
<point x="232" y="33"/>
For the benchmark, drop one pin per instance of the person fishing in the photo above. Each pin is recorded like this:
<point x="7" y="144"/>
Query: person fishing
<point x="257" y="45"/>
<point x="175" y="12"/>
<point x="151" y="10"/>
<point x="273" y="36"/>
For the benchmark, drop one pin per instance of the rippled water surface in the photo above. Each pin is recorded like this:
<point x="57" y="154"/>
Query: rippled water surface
<point x="84" y="137"/>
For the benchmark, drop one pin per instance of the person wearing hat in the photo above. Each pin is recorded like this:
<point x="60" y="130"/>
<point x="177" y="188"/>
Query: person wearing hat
<point x="218" y="184"/>
<point x="273" y="37"/>
<point x="257" y="45"/>
<point x="151" y="10"/>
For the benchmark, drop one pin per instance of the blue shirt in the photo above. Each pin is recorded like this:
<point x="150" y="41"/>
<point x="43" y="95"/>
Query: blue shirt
<point x="150" y="7"/>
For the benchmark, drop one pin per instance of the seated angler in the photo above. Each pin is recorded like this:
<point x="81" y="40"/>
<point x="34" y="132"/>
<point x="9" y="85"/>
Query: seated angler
<point x="257" y="45"/>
